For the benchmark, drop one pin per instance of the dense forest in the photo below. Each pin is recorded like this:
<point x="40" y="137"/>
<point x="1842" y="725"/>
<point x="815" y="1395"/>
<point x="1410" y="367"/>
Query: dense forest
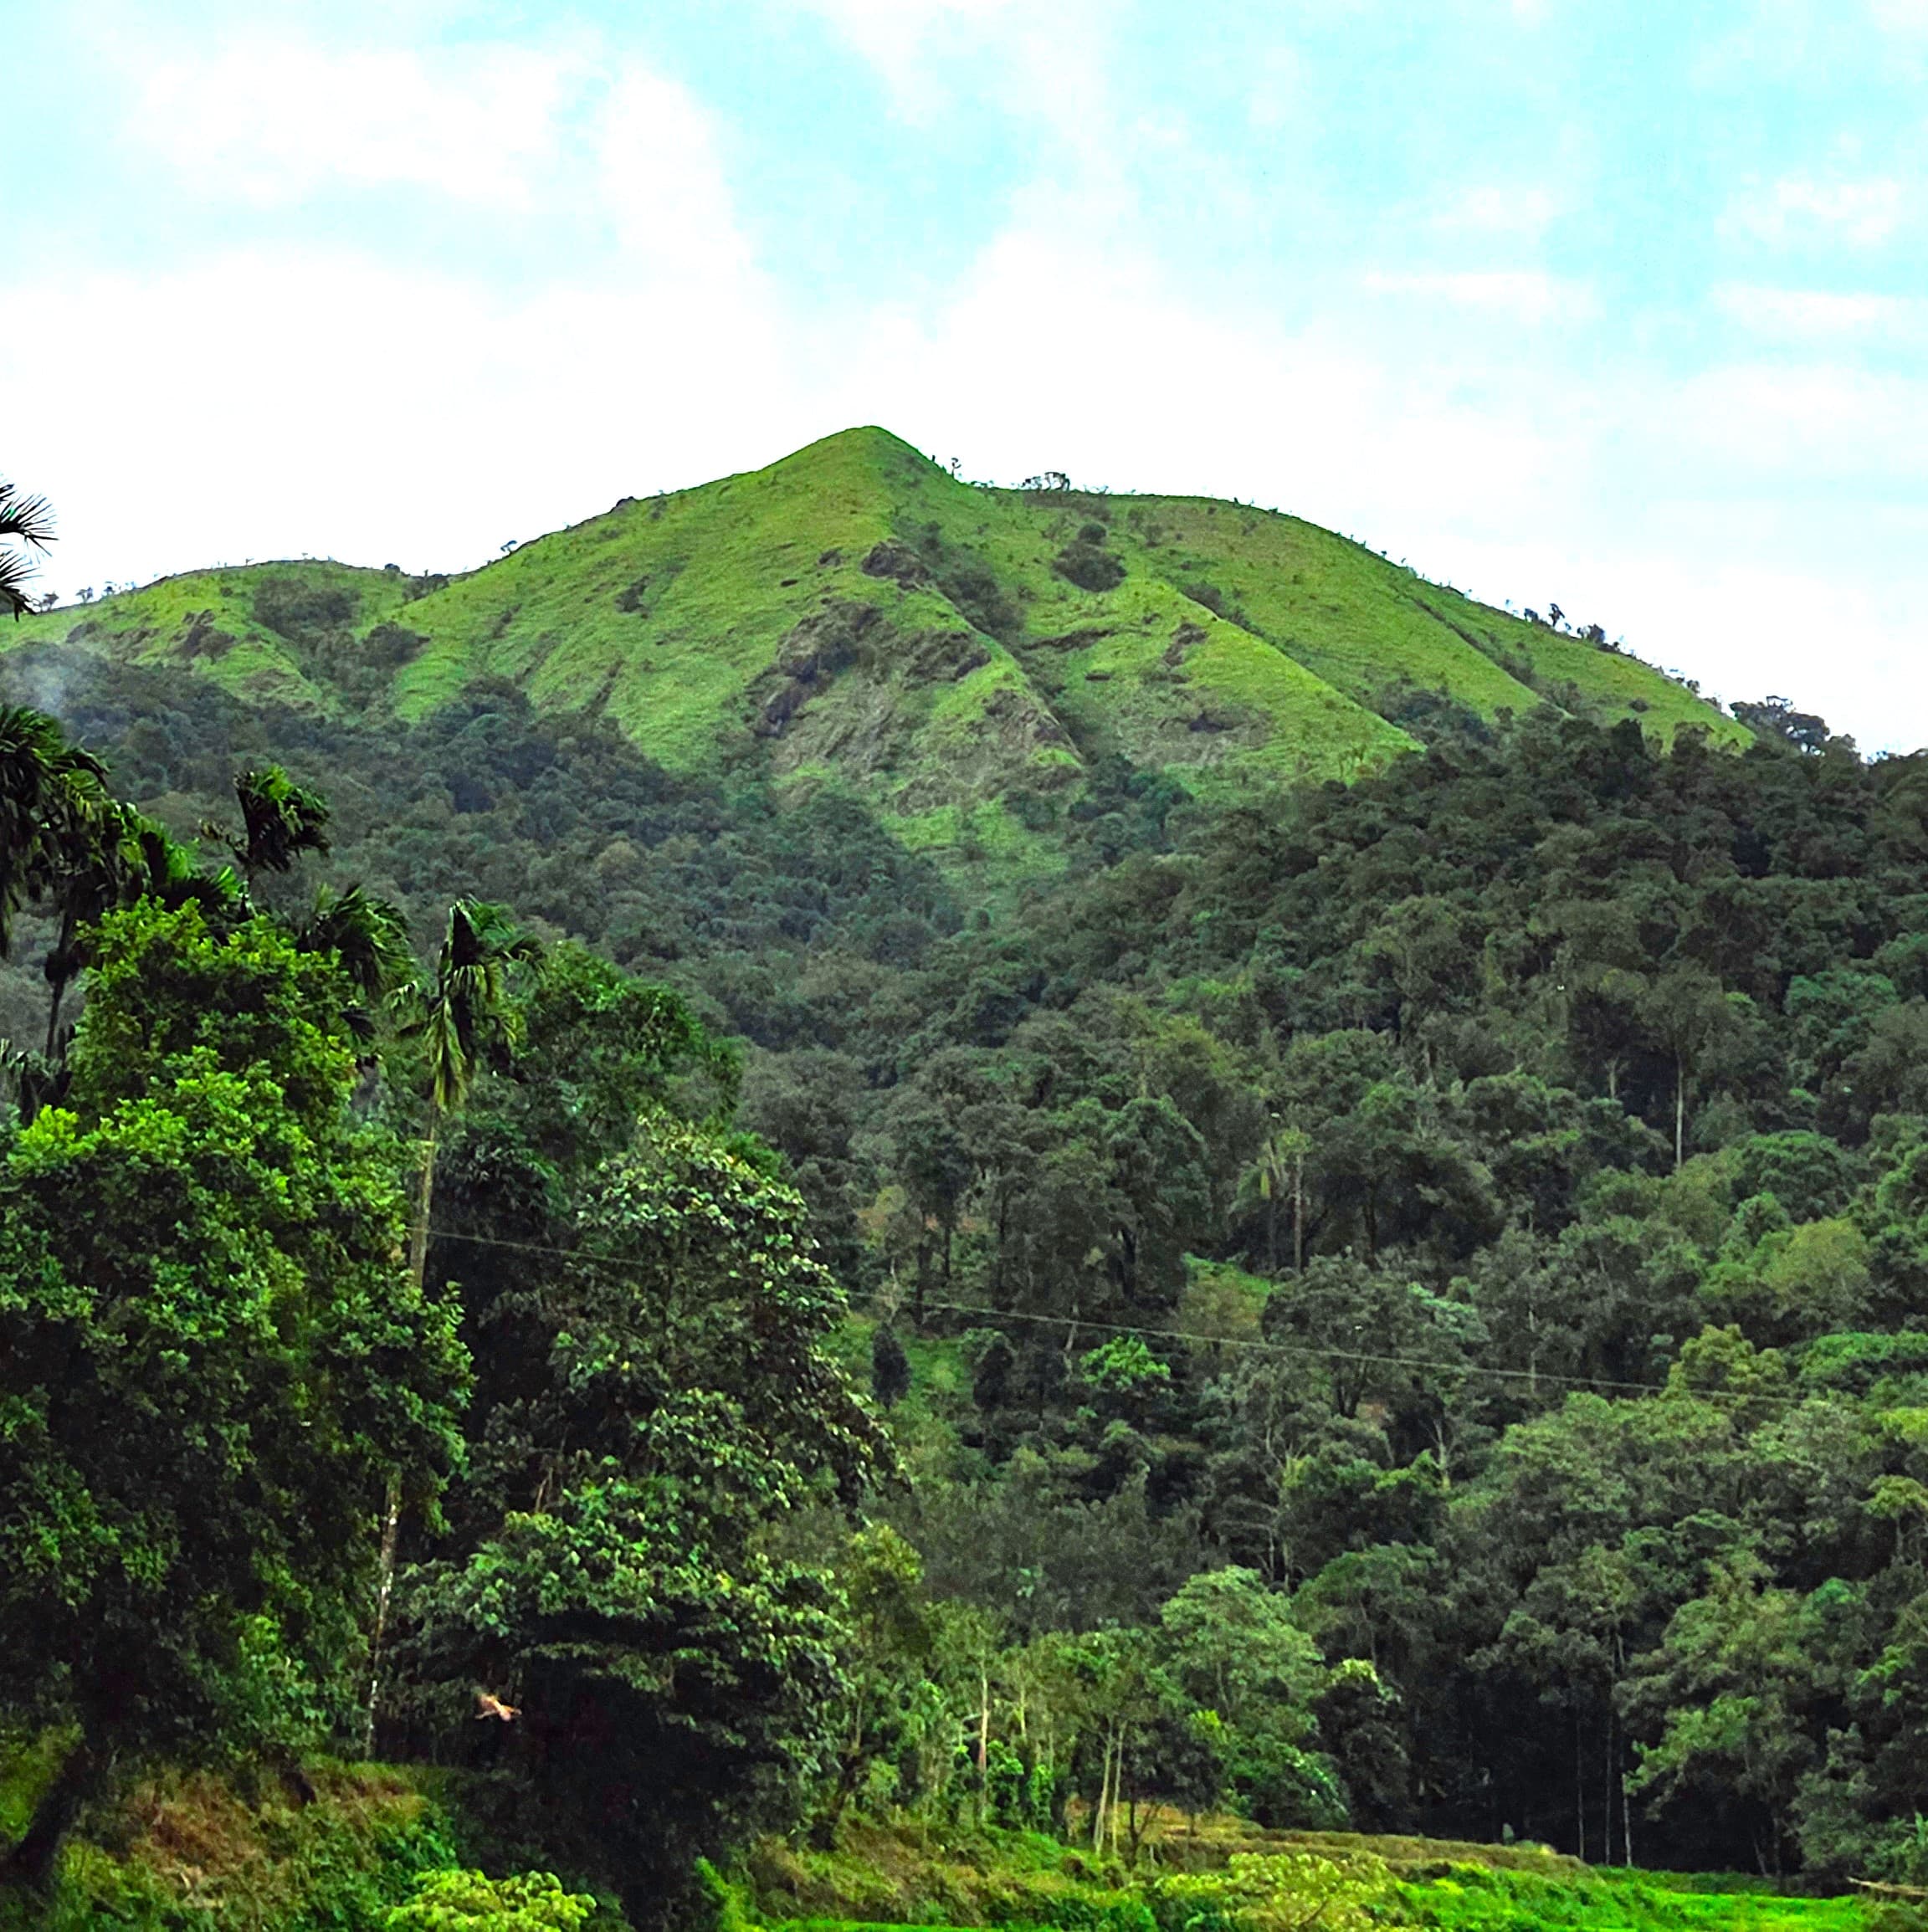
<point x="1401" y="1305"/>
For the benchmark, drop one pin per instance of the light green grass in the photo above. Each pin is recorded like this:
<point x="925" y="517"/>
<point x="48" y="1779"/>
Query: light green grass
<point x="203" y="621"/>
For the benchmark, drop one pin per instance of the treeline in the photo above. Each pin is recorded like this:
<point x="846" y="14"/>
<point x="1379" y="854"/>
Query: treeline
<point x="1405" y="1303"/>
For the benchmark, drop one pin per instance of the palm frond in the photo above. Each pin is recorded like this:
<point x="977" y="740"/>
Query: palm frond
<point x="28" y="517"/>
<point x="24" y="520"/>
<point x="366" y="935"/>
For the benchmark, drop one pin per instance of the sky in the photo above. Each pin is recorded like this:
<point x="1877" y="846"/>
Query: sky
<point x="1619" y="306"/>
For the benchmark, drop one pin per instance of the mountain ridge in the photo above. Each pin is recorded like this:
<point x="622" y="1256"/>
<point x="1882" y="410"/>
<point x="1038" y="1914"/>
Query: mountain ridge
<point x="960" y="658"/>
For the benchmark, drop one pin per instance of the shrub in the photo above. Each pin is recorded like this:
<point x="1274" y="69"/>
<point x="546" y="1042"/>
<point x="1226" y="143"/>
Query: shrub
<point x="468" y="1901"/>
<point x="1088" y="566"/>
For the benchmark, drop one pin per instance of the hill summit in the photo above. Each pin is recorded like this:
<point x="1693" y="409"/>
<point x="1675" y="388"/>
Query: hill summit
<point x="963" y="659"/>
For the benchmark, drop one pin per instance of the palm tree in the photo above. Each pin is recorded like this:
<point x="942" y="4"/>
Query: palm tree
<point x="369" y="940"/>
<point x="50" y="793"/>
<point x="22" y="519"/>
<point x="1278" y="1174"/>
<point x="169" y="875"/>
<point x="465" y="1020"/>
<point x="280" y="820"/>
<point x="96" y="866"/>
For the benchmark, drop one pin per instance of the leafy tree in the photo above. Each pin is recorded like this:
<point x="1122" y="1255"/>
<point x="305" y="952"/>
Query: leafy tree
<point x="470" y="1902"/>
<point x="1729" y="1682"/>
<point x="51" y="795"/>
<point x="367" y="937"/>
<point x="892" y="1635"/>
<point x="211" y="1359"/>
<point x="1277" y="1175"/>
<point x="463" y="1018"/>
<point x="678" y="1684"/>
<point x="890" y="1366"/>
<point x="1233" y="1645"/>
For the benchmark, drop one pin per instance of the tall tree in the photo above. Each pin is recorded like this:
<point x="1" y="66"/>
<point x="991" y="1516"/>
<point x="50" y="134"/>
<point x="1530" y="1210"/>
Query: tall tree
<point x="463" y="1017"/>
<point x="366" y="936"/>
<point x="210" y="1361"/>
<point x="676" y="1676"/>
<point x="280" y="822"/>
<point x="51" y="793"/>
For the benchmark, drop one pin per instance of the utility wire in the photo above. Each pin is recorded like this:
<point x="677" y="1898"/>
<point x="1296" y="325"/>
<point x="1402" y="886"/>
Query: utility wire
<point x="1286" y="1351"/>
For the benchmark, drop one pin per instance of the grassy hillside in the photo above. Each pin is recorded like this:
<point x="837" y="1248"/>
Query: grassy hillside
<point x="961" y="659"/>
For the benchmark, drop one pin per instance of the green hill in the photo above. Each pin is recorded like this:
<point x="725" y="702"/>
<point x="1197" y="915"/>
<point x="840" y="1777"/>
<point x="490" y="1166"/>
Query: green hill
<point x="957" y="657"/>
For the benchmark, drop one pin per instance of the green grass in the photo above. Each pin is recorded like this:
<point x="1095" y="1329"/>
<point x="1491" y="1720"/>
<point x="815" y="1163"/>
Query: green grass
<point x="188" y="1853"/>
<point x="204" y="621"/>
<point x="1472" y="1900"/>
<point x="1234" y="1879"/>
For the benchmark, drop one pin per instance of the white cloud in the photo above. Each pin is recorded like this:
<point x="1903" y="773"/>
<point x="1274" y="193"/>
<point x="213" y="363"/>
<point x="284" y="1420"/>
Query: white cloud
<point x="1809" y="426"/>
<point x="905" y="40"/>
<point x="1278" y="88"/>
<point x="332" y="400"/>
<point x="1904" y="17"/>
<point x="330" y="404"/>
<point x="1865" y="212"/>
<point x="1502" y="208"/>
<point x="1818" y="315"/>
<point x="1527" y="295"/>
<point x="661" y="179"/>
<point x="273" y="119"/>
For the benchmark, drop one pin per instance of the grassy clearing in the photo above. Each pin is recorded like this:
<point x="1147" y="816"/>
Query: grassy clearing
<point x="1228" y="1877"/>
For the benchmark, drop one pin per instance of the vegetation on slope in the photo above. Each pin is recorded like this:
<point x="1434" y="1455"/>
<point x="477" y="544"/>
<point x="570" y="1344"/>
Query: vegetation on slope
<point x="1393" y="1306"/>
<point x="962" y="659"/>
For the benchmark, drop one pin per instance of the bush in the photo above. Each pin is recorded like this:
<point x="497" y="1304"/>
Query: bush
<point x="1088" y="566"/>
<point x="468" y="1901"/>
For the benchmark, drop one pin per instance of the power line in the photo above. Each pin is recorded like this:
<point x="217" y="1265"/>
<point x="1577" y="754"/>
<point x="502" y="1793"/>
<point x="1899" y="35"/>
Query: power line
<point x="1285" y="1351"/>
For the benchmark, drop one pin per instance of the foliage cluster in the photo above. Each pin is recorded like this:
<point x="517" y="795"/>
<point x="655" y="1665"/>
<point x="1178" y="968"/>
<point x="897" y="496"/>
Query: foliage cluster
<point x="1404" y="1304"/>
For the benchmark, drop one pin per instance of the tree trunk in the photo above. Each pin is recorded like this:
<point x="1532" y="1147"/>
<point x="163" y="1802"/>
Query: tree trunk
<point x="392" y="1515"/>
<point x="54" y="1016"/>
<point x="1607" y="1793"/>
<point x="30" y="1863"/>
<point x="1297" y="1213"/>
<point x="983" y="1739"/>
<point x="1680" y="1111"/>
<point x="391" y="1532"/>
<point x="1117" y="1783"/>
<point x="1579" y="1788"/>
<point x="424" y="1203"/>
<point x="1103" y="1790"/>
